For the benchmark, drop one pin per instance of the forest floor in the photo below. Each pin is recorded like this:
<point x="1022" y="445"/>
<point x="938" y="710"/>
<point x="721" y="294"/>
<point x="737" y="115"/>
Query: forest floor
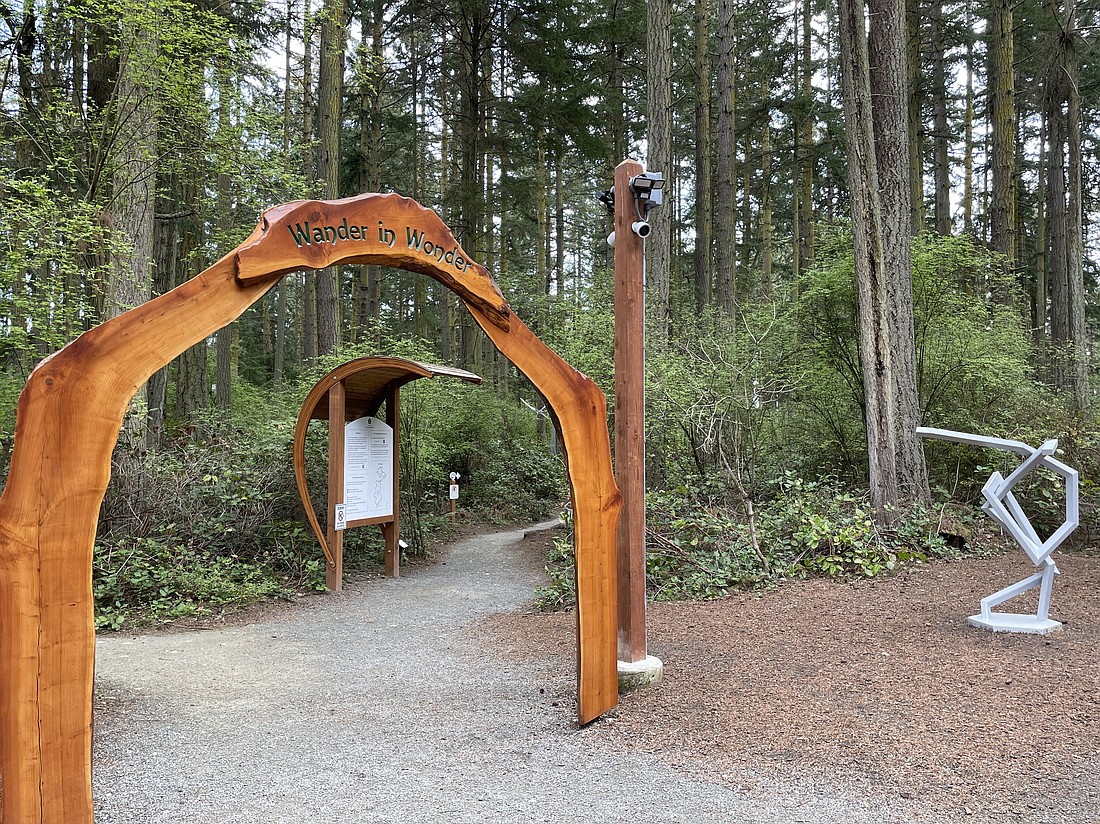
<point x="443" y="696"/>
<point x="877" y="683"/>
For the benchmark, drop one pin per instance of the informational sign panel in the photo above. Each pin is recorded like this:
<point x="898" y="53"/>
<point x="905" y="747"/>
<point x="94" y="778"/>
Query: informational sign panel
<point x="368" y="469"/>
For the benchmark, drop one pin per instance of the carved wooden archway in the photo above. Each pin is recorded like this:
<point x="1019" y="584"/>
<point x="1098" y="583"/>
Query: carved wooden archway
<point x="68" y="421"/>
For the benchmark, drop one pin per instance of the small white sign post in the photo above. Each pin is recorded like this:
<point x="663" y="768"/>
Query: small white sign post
<point x="453" y="493"/>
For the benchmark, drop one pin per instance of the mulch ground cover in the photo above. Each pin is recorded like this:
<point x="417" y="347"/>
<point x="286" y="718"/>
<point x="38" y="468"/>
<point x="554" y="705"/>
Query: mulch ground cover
<point x="876" y="684"/>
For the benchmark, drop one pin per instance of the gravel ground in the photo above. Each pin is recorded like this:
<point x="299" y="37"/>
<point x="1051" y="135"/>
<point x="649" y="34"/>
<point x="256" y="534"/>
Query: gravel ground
<point x="438" y="697"/>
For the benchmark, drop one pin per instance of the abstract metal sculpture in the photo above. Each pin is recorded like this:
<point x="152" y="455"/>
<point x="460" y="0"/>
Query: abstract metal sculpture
<point x="1001" y="505"/>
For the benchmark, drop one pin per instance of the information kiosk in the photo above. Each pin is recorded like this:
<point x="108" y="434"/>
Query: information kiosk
<point x="364" y="455"/>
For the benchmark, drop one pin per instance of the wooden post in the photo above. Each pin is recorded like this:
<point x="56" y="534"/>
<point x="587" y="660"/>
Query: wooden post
<point x="630" y="416"/>
<point x="391" y="532"/>
<point x="334" y="570"/>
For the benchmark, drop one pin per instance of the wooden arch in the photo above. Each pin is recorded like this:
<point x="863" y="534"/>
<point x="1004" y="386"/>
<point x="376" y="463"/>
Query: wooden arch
<point x="67" y="424"/>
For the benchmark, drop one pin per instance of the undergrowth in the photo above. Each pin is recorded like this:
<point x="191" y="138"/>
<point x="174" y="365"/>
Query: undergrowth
<point x="701" y="545"/>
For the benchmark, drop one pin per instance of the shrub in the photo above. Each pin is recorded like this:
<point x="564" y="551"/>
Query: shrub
<point x="701" y="544"/>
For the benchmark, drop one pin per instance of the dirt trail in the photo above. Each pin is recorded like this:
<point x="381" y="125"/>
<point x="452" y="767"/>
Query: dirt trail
<point x="393" y="702"/>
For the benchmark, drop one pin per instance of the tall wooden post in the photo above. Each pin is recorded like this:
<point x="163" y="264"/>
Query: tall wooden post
<point x="334" y="571"/>
<point x="630" y="416"/>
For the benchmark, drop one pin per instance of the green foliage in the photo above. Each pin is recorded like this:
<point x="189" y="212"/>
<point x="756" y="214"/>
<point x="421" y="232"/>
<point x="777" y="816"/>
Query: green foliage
<point x="561" y="591"/>
<point x="48" y="239"/>
<point x="202" y="524"/>
<point x="508" y="472"/>
<point x="213" y="519"/>
<point x="973" y="354"/>
<point x="702" y="545"/>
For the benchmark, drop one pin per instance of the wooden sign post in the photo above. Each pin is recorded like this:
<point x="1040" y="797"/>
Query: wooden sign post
<point x="630" y="416"/>
<point x="67" y="424"/>
<point x="354" y="392"/>
<point x="452" y="494"/>
<point x="636" y="666"/>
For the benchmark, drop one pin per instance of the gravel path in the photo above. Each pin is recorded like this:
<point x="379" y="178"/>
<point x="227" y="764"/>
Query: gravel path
<point x="395" y="702"/>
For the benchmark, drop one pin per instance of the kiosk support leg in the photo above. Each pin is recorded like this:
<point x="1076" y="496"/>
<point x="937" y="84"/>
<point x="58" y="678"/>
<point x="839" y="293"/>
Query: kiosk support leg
<point x="334" y="572"/>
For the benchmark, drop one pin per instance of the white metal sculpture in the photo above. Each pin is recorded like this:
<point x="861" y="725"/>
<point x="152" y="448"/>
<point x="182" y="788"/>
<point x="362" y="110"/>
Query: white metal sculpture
<point x="1001" y="505"/>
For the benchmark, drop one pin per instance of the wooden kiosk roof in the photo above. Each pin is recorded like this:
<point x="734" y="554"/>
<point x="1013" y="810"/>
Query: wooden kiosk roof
<point x="365" y="382"/>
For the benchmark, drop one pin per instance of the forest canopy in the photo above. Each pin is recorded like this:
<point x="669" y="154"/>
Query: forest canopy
<point x="140" y="141"/>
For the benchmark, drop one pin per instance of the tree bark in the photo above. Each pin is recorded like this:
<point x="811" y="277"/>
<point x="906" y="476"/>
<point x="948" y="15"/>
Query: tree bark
<point x="725" y="207"/>
<point x="968" y="131"/>
<point x="888" y="74"/>
<point x="223" y="367"/>
<point x="1075" y="240"/>
<point x="914" y="86"/>
<point x="941" y="129"/>
<point x="703" y="220"/>
<point x="330" y="95"/>
<point x="875" y="230"/>
<point x="372" y="82"/>
<point x="659" y="159"/>
<point x="1002" y="119"/>
<point x="308" y="350"/>
<point x="805" y="151"/>
<point x="133" y="189"/>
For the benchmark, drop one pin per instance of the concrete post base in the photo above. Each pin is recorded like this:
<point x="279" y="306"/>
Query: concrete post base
<point x="638" y="674"/>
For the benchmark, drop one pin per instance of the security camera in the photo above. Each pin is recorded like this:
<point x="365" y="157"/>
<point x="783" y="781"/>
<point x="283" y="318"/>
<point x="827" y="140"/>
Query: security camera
<point x="611" y="240"/>
<point x="641" y="228"/>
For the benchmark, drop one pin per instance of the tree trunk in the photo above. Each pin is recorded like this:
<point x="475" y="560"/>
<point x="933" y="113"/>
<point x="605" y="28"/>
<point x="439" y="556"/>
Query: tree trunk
<point x="1039" y="304"/>
<point x="880" y="171"/>
<point x="1002" y="118"/>
<point x="223" y="369"/>
<point x="968" y="133"/>
<point x="941" y="129"/>
<point x="308" y="350"/>
<point x="725" y="207"/>
<point x="889" y="72"/>
<point x="330" y="95"/>
<point x="703" y="231"/>
<point x="913" y="84"/>
<point x="559" y="224"/>
<point x="133" y="186"/>
<point x="1075" y="240"/>
<point x="805" y="152"/>
<point x="767" y="280"/>
<point x="278" y="368"/>
<point x="372" y="81"/>
<point x="659" y="159"/>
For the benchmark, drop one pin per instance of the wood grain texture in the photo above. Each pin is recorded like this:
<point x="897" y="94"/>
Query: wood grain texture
<point x="421" y="242"/>
<point x="67" y="424"/>
<point x="630" y="415"/>
<point x="334" y="570"/>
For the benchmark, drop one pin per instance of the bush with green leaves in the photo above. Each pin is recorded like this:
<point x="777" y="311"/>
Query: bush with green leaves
<point x="973" y="354"/>
<point x="203" y="523"/>
<point x="212" y="518"/>
<point x="702" y="544"/>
